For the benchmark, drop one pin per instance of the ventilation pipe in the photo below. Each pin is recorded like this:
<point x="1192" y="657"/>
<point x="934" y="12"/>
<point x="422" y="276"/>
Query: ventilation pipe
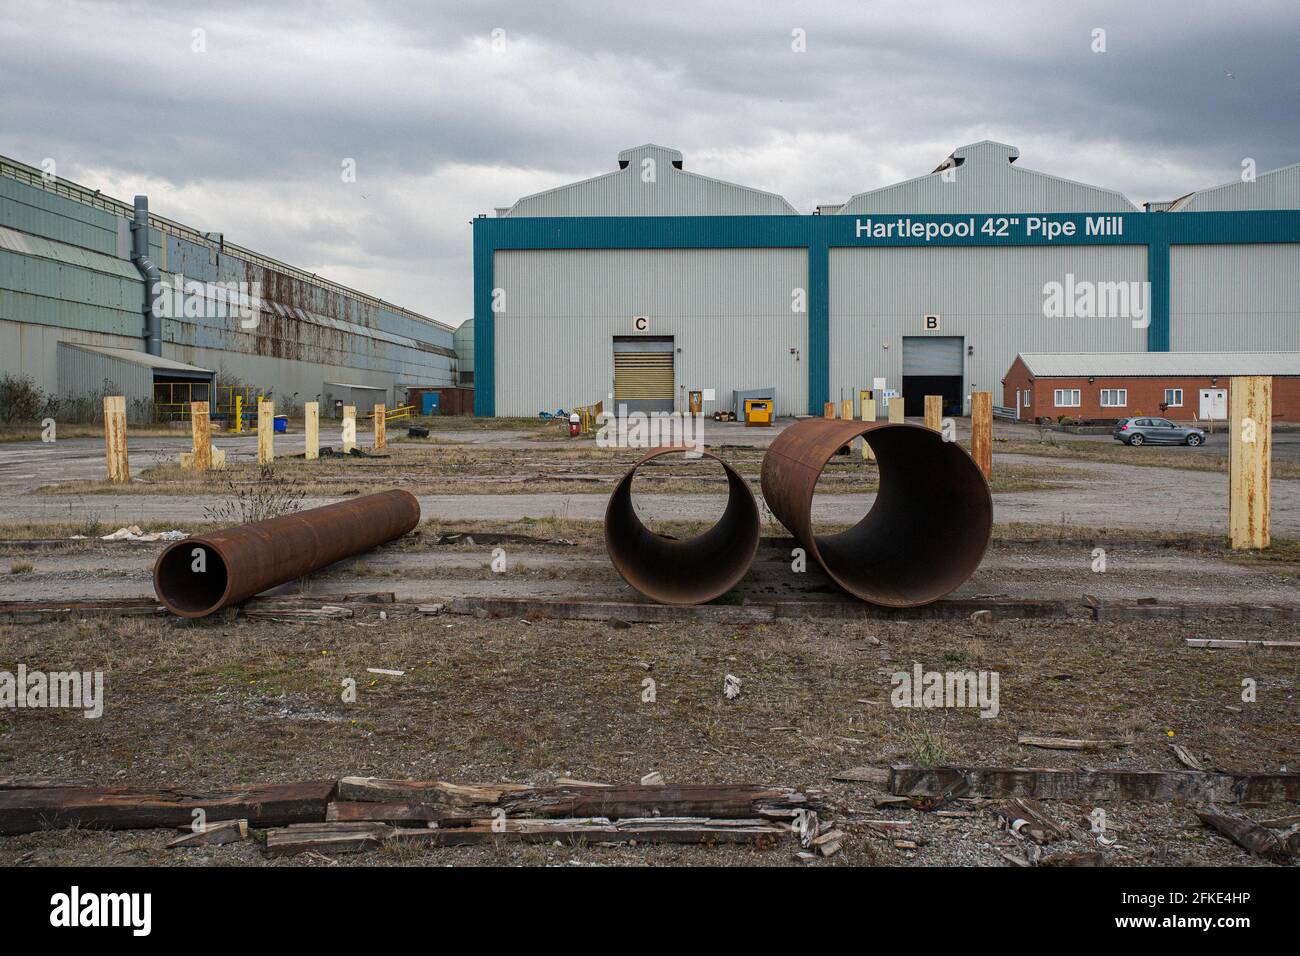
<point x="150" y="272"/>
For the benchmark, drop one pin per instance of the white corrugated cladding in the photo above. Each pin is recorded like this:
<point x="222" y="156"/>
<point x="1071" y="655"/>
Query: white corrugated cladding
<point x="1234" y="297"/>
<point x="992" y="297"/>
<point x="650" y="182"/>
<point x="1279" y="189"/>
<point x="729" y="311"/>
<point x="981" y="178"/>
<point x="1137" y="364"/>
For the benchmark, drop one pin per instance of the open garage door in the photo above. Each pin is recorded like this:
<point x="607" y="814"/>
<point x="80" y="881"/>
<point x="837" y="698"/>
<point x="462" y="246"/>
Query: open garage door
<point x="643" y="373"/>
<point x="933" y="365"/>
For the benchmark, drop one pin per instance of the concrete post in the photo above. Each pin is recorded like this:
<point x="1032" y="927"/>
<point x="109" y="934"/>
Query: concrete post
<point x="311" y="430"/>
<point x="381" y="434"/>
<point x="265" y="432"/>
<point x="201" y="431"/>
<point x="115" y="454"/>
<point x="981" y="431"/>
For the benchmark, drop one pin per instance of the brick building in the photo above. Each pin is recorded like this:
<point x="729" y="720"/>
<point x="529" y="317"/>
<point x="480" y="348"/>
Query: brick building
<point x="1181" y="386"/>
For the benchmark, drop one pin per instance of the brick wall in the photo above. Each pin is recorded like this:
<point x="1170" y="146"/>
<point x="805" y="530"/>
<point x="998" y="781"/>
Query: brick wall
<point x="1145" y="395"/>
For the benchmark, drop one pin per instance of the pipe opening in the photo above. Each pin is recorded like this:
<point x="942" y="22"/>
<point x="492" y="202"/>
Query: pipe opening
<point x="692" y="571"/>
<point x="191" y="578"/>
<point x="927" y="530"/>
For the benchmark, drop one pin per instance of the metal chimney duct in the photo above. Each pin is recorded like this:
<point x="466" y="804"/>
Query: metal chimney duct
<point x="150" y="272"/>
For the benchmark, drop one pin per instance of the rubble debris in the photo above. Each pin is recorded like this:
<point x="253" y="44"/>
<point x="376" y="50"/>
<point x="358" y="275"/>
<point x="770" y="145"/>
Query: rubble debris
<point x="731" y="687"/>
<point x="133" y="533"/>
<point x="1185" y="758"/>
<point x="213" y="834"/>
<point x="1226" y="644"/>
<point x="1251" y="836"/>
<point x="1026" y="818"/>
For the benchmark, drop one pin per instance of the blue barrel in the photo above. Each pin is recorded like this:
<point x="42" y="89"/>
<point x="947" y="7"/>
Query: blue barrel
<point x="281" y="423"/>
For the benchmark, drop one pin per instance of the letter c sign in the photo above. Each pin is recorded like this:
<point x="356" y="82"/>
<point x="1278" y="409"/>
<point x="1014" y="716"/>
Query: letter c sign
<point x="641" y="323"/>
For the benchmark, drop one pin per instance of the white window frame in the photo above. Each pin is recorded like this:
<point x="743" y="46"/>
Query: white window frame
<point x="1174" y="391"/>
<point x="1075" y="393"/>
<point x="1121" y="394"/>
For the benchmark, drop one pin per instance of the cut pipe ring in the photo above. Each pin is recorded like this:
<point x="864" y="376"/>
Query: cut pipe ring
<point x="683" y="572"/>
<point x="927" y="530"/>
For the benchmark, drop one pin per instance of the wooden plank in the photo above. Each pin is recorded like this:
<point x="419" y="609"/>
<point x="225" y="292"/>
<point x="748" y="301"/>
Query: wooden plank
<point x="846" y="409"/>
<point x="1185" y="758"/>
<point x="828" y="410"/>
<point x="116" y="459"/>
<point x="213" y="834"/>
<point x="878" y="776"/>
<point x="1074" y="784"/>
<point x="934" y="412"/>
<point x="896" y="409"/>
<point x="1248" y="835"/>
<point x="265" y="432"/>
<point x="1025" y="817"/>
<point x="1250" y="454"/>
<point x="326" y="838"/>
<point x="981" y="431"/>
<point x="1066" y="743"/>
<point x="400" y="800"/>
<point x="381" y="435"/>
<point x="1228" y="644"/>
<point x="311" y="430"/>
<point x="201" y="435"/>
<point x="349" y="428"/>
<point x="118" y="808"/>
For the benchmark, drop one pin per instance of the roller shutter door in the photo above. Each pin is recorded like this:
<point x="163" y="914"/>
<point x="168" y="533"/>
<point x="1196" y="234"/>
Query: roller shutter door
<point x="932" y="355"/>
<point x="643" y="374"/>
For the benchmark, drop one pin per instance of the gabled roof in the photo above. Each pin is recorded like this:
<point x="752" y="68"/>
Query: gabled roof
<point x="1276" y="189"/>
<point x="650" y="181"/>
<point x="1164" y="364"/>
<point x="156" y="362"/>
<point x="980" y="178"/>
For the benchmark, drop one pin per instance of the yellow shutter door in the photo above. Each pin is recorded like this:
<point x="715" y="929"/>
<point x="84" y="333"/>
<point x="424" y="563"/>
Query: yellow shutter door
<point x="643" y="376"/>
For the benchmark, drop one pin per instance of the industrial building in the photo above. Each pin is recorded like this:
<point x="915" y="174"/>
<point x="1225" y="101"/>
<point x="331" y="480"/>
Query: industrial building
<point x="1105" y="386"/>
<point x="652" y="281"/>
<point x="76" y="302"/>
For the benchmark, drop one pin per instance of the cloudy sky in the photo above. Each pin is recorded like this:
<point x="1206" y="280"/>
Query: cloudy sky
<point x="451" y="109"/>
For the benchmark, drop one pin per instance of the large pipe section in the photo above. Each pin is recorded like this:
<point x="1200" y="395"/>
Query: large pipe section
<point x="683" y="572"/>
<point x="202" y="574"/>
<point x="924" y="535"/>
<point x="152" y="276"/>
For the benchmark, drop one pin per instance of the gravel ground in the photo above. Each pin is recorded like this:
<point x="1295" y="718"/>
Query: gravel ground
<point x="222" y="703"/>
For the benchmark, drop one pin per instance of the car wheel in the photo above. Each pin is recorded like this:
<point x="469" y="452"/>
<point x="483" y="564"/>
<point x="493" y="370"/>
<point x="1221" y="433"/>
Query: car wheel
<point x="1136" y="440"/>
<point x="1194" y="440"/>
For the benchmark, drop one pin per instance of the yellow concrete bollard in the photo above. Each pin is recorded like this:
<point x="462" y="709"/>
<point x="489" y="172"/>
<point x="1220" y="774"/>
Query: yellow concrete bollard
<point x="115" y="453"/>
<point x="981" y="431"/>
<point x="201" y="433"/>
<point x="349" y="428"/>
<point x="1250" y="460"/>
<point x="311" y="430"/>
<point x="265" y="432"/>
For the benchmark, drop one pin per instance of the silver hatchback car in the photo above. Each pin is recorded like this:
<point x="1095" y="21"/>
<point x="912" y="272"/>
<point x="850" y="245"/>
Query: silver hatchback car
<point x="1155" y="431"/>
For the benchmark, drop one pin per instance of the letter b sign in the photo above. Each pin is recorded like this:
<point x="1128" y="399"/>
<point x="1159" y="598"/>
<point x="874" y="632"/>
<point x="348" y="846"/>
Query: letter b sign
<point x="930" y="323"/>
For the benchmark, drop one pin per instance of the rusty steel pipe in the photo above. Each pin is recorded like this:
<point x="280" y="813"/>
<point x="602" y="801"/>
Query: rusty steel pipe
<point x="927" y="529"/>
<point x="683" y="572"/>
<point x="239" y="562"/>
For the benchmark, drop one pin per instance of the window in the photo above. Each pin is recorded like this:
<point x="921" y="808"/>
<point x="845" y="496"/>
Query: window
<point x="1067" y="398"/>
<point x="1029" y="399"/>
<point x="1114" y="397"/>
<point x="1173" y="398"/>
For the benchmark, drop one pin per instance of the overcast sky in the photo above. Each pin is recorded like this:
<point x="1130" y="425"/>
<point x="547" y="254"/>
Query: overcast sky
<point x="247" y="136"/>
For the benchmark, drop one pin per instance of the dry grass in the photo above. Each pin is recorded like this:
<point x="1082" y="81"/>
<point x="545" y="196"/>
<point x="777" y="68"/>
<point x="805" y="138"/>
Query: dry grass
<point x="489" y="700"/>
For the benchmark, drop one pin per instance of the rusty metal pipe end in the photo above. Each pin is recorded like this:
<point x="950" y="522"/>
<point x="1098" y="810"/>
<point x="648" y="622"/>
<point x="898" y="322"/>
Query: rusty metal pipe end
<point x="927" y="530"/>
<point x="683" y="572"/>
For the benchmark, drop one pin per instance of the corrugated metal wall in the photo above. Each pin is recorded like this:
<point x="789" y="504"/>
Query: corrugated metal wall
<point x="729" y="311"/>
<point x="671" y="192"/>
<point x="66" y="275"/>
<point x="993" y="297"/>
<point x="1234" y="298"/>
<point x="89" y="373"/>
<point x="464" y="341"/>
